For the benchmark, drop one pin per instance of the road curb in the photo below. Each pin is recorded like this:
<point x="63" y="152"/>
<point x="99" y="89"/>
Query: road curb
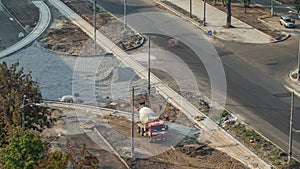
<point x="206" y="30"/>
<point x="185" y="17"/>
<point x="172" y="97"/>
<point x="10" y="14"/>
<point x="111" y="147"/>
<point x="32" y="36"/>
<point x="287" y="35"/>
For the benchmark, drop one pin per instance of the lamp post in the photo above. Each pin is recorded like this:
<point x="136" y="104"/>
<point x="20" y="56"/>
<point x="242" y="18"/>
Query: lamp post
<point x="148" y="65"/>
<point x="204" y="13"/>
<point x="95" y="27"/>
<point x="291" y="129"/>
<point x="22" y="111"/>
<point x="125" y="14"/>
<point x="190" y="8"/>
<point x="132" y="125"/>
<point x="298" y="71"/>
<point x="272" y="8"/>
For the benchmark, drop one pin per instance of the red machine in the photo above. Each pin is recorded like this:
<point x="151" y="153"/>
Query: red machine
<point x="151" y="126"/>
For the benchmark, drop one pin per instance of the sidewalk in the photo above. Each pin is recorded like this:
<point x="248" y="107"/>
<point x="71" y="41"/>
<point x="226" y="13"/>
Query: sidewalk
<point x="43" y="23"/>
<point x="215" y="134"/>
<point x="215" y="21"/>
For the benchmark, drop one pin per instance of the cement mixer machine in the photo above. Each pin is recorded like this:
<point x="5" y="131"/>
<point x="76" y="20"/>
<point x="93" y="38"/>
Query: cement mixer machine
<point x="150" y="125"/>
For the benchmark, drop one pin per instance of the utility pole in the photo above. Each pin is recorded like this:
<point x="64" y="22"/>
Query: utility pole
<point x="272" y="8"/>
<point x="148" y="65"/>
<point x="290" y="153"/>
<point x="125" y="15"/>
<point x="22" y="111"/>
<point x="298" y="71"/>
<point x="132" y="125"/>
<point x="95" y="44"/>
<point x="204" y="13"/>
<point x="190" y="8"/>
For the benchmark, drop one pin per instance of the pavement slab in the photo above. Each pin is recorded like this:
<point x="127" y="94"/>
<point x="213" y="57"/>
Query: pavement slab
<point x="216" y="19"/>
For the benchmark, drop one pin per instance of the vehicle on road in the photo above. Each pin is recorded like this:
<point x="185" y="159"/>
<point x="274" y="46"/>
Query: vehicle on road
<point x="150" y="125"/>
<point x="287" y="21"/>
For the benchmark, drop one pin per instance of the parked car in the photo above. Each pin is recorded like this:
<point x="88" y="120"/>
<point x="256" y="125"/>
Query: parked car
<point x="287" y="21"/>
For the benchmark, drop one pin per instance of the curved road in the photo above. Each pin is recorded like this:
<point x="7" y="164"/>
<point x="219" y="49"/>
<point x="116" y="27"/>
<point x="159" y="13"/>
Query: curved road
<point x="43" y="23"/>
<point x="9" y="29"/>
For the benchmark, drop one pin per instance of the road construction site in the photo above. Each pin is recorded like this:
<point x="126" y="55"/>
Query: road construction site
<point x="210" y="135"/>
<point x="209" y="131"/>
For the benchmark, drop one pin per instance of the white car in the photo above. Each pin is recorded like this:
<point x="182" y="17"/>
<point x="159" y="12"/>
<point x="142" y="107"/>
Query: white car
<point x="287" y="21"/>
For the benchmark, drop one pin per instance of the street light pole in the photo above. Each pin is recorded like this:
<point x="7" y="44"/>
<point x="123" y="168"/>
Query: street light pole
<point x="190" y="8"/>
<point x="204" y="13"/>
<point x="272" y="8"/>
<point x="148" y="65"/>
<point x="132" y="125"/>
<point x="95" y="27"/>
<point x="22" y="111"/>
<point x="298" y="71"/>
<point x="125" y="15"/>
<point x="291" y="129"/>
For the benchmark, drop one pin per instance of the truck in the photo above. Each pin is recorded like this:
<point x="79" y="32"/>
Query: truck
<point x="149" y="125"/>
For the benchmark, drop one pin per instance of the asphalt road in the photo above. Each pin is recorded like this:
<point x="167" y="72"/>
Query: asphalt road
<point x="9" y="30"/>
<point x="133" y="6"/>
<point x="278" y="8"/>
<point x="255" y="92"/>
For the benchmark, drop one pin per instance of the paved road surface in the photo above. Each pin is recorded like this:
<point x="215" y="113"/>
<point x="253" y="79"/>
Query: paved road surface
<point x="186" y="107"/>
<point x="133" y="6"/>
<point x="9" y="30"/>
<point x="251" y="93"/>
<point x="279" y="8"/>
<point x="35" y="33"/>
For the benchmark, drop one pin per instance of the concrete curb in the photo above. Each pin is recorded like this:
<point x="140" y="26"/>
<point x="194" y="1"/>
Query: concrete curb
<point x="171" y="96"/>
<point x="33" y="35"/>
<point x="135" y="47"/>
<point x="277" y="2"/>
<point x="184" y="17"/>
<point x="10" y="14"/>
<point x="244" y="23"/>
<point x="287" y="35"/>
<point x="290" y="75"/>
<point x="205" y="30"/>
<point x="242" y="122"/>
<point x="111" y="147"/>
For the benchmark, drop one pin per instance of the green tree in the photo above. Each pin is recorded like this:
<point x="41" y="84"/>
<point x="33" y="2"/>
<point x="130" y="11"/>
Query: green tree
<point x="23" y="152"/>
<point x="54" y="160"/>
<point x="14" y="85"/>
<point x="246" y="4"/>
<point x="297" y="5"/>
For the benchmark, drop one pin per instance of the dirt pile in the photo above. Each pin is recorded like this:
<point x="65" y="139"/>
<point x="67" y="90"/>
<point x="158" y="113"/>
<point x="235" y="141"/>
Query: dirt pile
<point x="188" y="154"/>
<point x="188" y="157"/>
<point x="65" y="38"/>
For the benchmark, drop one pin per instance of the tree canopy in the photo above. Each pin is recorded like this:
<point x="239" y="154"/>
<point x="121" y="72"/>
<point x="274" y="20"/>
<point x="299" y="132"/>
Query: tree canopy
<point x="23" y="152"/>
<point x="19" y="146"/>
<point x="297" y="5"/>
<point x="18" y="92"/>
